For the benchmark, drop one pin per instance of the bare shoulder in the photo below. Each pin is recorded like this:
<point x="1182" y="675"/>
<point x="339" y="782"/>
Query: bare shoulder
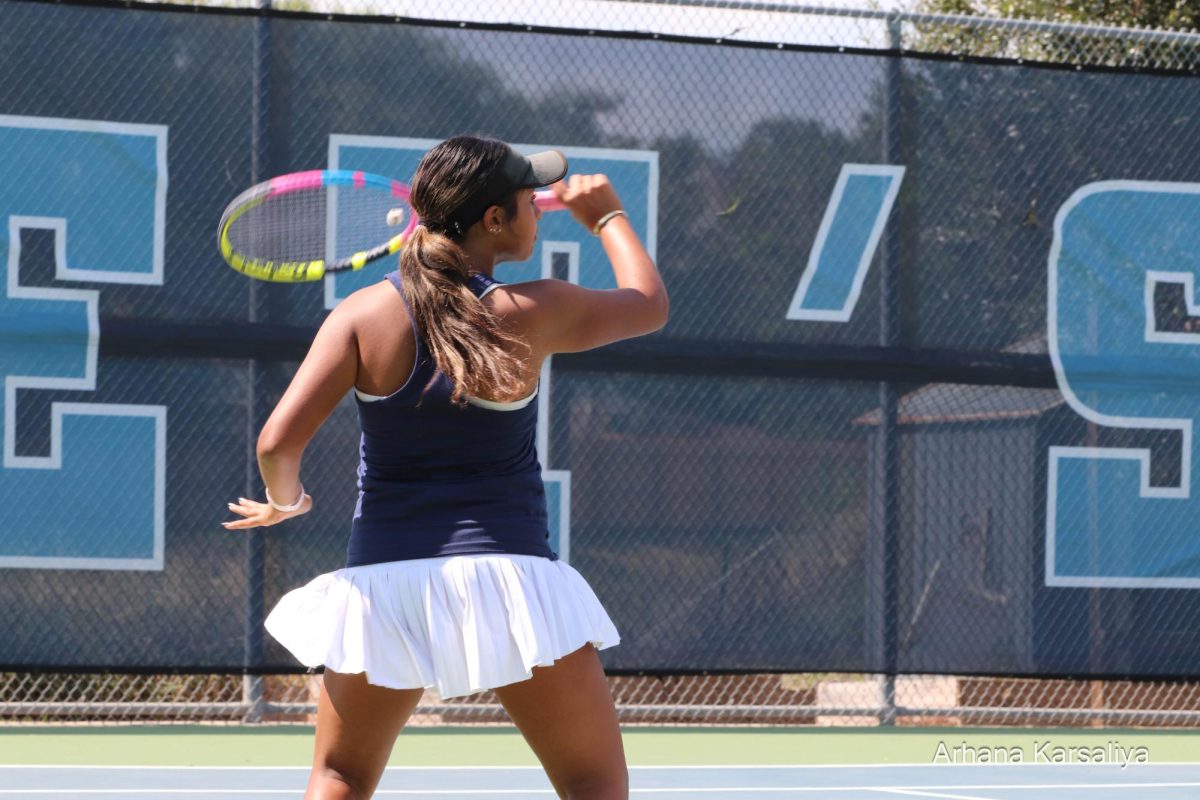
<point x="526" y="298"/>
<point x="529" y="307"/>
<point x="368" y="306"/>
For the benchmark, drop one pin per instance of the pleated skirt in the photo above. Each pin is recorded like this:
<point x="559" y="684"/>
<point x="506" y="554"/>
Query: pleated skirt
<point x="459" y="624"/>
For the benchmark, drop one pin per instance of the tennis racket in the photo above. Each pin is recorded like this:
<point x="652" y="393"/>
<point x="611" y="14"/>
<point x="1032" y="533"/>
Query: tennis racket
<point x="306" y="225"/>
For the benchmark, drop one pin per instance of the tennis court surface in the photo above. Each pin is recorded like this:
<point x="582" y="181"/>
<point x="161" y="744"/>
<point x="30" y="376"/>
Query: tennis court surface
<point x="712" y="764"/>
<point x="857" y="782"/>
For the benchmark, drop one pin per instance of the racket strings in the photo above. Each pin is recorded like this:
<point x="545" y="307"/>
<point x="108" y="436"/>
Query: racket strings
<point x="301" y="226"/>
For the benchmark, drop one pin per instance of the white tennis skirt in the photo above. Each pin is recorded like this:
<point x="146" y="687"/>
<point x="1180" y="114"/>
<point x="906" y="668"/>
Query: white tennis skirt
<point x="460" y="624"/>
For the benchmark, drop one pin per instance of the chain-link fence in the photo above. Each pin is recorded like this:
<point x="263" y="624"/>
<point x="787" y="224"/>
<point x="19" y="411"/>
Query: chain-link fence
<point x="843" y="27"/>
<point x="705" y="700"/>
<point x="882" y="465"/>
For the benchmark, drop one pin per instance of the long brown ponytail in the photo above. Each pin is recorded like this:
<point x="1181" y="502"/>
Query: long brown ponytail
<point x="467" y="341"/>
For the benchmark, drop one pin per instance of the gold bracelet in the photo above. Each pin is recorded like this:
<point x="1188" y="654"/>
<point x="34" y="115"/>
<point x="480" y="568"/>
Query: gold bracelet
<point x="607" y="218"/>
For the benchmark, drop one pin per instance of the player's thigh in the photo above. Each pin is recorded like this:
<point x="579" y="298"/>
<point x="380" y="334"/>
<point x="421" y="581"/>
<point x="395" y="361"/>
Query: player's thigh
<point x="357" y="725"/>
<point x="566" y="713"/>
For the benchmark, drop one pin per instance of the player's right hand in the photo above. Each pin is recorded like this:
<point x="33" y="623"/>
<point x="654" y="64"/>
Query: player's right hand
<point x="587" y="197"/>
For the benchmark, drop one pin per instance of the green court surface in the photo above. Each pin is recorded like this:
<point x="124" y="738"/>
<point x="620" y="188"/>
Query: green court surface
<point x="292" y="745"/>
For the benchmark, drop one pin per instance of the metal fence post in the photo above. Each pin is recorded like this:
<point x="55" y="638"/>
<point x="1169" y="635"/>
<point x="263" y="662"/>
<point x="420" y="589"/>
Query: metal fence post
<point x="252" y="685"/>
<point x="889" y="446"/>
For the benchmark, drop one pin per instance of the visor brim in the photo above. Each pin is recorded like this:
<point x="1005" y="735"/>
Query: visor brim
<point x="545" y="168"/>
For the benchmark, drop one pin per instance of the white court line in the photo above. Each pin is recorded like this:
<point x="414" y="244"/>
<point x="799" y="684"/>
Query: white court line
<point x="932" y="794"/>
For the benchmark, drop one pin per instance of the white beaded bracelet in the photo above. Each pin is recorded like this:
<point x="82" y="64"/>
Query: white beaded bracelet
<point x="285" y="509"/>
<point x="607" y="218"/>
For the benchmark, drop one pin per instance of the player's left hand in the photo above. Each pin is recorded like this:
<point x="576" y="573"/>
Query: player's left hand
<point x="255" y="514"/>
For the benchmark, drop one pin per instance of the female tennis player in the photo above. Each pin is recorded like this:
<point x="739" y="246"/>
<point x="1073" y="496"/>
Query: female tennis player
<point x="450" y="581"/>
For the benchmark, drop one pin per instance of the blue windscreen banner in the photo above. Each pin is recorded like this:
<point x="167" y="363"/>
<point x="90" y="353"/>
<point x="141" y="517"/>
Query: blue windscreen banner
<point x="925" y="403"/>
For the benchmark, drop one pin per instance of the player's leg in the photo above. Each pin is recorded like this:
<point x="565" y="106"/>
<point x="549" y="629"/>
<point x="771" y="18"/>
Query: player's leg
<point x="566" y="713"/>
<point x="357" y="724"/>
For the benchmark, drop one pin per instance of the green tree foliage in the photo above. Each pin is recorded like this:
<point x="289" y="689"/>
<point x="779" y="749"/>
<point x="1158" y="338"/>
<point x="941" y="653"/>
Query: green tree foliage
<point x="1074" y="47"/>
<point x="1171" y="14"/>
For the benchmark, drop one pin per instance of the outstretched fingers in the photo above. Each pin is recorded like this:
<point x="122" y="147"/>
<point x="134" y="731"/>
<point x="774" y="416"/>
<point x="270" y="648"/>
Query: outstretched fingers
<point x="253" y="514"/>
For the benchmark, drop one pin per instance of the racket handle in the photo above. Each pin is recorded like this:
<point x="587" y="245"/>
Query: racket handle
<point x="548" y="201"/>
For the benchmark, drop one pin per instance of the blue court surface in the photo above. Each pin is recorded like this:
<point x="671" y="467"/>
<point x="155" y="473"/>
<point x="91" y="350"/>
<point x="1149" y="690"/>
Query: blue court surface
<point x="859" y="782"/>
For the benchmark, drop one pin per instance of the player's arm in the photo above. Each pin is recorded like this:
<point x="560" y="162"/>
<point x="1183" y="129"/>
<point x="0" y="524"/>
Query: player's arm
<point x="571" y="318"/>
<point x="326" y="374"/>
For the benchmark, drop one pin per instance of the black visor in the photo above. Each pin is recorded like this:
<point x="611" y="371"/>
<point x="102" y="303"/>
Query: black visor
<point x="539" y="169"/>
<point x="517" y="172"/>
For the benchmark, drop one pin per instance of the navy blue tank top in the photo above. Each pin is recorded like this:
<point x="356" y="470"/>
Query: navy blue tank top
<point x="439" y="479"/>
